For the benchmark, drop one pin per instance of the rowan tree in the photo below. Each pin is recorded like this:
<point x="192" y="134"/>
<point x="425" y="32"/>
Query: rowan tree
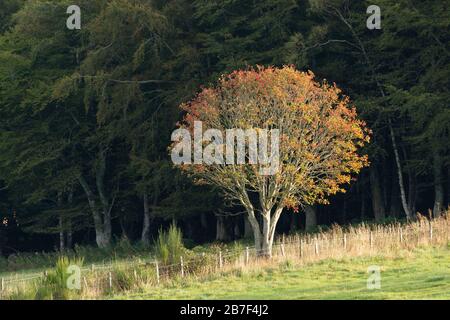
<point x="319" y="139"/>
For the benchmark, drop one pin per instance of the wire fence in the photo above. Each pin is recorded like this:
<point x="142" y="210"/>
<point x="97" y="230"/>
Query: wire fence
<point x="335" y="243"/>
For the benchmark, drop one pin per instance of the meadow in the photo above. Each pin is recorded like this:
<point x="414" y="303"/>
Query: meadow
<point x="421" y="274"/>
<point x="413" y="259"/>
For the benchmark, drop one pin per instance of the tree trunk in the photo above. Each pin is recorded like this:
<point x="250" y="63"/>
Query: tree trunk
<point x="377" y="196"/>
<point x="438" y="186"/>
<point x="221" y="232"/>
<point x="101" y="237"/>
<point x="310" y="218"/>
<point x="236" y="229"/>
<point x="248" y="232"/>
<point x="122" y="223"/>
<point x="256" y="230"/>
<point x="106" y="205"/>
<point x="399" y="173"/>
<point x="107" y="228"/>
<point x="264" y="238"/>
<point x="61" y="234"/>
<point x="146" y="224"/>
<point x="273" y="221"/>
<point x="266" y="246"/>
<point x="203" y="221"/>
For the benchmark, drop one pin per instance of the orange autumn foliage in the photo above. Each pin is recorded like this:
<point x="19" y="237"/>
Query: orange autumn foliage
<point x="320" y="135"/>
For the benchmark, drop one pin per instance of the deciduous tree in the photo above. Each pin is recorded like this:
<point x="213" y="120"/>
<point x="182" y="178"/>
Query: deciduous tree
<point x="319" y="132"/>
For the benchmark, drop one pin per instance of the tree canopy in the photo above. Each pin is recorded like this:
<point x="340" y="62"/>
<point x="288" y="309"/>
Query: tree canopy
<point x="319" y="138"/>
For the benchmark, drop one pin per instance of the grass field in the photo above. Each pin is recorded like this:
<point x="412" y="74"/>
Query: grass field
<point x="423" y="273"/>
<point x="414" y="260"/>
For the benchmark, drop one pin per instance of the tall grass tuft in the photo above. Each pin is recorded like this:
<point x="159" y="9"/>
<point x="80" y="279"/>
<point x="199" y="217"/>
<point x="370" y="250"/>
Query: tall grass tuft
<point x="169" y="245"/>
<point x="54" y="285"/>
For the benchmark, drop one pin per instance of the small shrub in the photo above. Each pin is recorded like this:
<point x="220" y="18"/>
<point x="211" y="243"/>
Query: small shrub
<point x="169" y="245"/>
<point x="54" y="285"/>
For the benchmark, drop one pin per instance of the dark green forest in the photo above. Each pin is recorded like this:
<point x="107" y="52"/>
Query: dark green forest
<point x="86" y="115"/>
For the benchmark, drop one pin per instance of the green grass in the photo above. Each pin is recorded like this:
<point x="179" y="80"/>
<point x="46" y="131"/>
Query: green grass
<point x="422" y="274"/>
<point x="26" y="263"/>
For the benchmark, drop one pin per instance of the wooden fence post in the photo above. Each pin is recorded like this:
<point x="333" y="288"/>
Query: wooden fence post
<point x="283" y="253"/>
<point x="182" y="266"/>
<point x="110" y="280"/>
<point x="431" y="231"/>
<point x="157" y="271"/>
<point x="316" y="246"/>
<point x="247" y="255"/>
<point x="301" y="248"/>
<point x="220" y="260"/>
